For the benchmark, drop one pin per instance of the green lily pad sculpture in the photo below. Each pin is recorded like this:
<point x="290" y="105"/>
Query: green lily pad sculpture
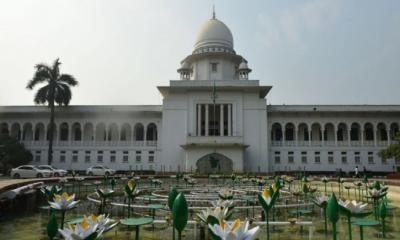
<point x="180" y="214"/>
<point x="332" y="212"/>
<point x="267" y="200"/>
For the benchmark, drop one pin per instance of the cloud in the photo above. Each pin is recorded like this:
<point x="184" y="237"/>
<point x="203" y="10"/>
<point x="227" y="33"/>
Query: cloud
<point x="289" y="25"/>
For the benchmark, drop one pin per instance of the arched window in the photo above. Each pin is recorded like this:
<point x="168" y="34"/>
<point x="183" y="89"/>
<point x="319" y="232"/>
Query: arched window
<point x="77" y="132"/>
<point x="88" y="132"/>
<point x="276" y="132"/>
<point x="100" y="132"/>
<point x="369" y="132"/>
<point x="355" y="132"/>
<point x="39" y="132"/>
<point x="113" y="132"/>
<point x="329" y="132"/>
<point x="139" y="132"/>
<point x="151" y="133"/>
<point x="64" y="132"/>
<point x="382" y="132"/>
<point x="16" y="131"/>
<point x="27" y="133"/>
<point x="4" y="129"/>
<point x="342" y="132"/>
<point x="303" y="132"/>
<point x="126" y="132"/>
<point x="316" y="134"/>
<point x="289" y="132"/>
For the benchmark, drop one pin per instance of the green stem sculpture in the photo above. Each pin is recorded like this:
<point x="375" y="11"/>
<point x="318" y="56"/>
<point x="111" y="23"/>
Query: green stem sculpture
<point x="382" y="215"/>
<point x="62" y="218"/>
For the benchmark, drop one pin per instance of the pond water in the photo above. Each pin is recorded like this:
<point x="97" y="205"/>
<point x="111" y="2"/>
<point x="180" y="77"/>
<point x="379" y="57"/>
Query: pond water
<point x="26" y="219"/>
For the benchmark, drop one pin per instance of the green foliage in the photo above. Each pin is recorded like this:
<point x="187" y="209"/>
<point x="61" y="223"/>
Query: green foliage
<point x="52" y="226"/>
<point x="12" y="153"/>
<point x="332" y="209"/>
<point x="56" y="89"/>
<point x="393" y="150"/>
<point x="180" y="212"/>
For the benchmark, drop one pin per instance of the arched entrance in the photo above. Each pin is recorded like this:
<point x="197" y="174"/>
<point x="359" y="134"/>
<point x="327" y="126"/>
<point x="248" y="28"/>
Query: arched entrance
<point x="214" y="163"/>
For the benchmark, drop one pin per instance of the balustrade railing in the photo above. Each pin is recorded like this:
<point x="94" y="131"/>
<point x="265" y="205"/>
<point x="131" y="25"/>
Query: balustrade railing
<point x="344" y="143"/>
<point x="86" y="143"/>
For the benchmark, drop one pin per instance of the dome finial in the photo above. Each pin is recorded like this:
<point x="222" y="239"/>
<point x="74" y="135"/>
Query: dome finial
<point x="213" y="15"/>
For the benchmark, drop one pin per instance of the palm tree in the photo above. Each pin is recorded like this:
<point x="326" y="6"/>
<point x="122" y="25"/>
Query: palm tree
<point x="56" y="90"/>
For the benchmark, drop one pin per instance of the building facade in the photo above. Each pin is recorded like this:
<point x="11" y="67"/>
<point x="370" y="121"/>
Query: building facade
<point x="214" y="119"/>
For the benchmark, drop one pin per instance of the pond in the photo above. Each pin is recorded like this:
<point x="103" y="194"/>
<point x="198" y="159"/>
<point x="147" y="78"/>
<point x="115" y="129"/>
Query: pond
<point x="27" y="216"/>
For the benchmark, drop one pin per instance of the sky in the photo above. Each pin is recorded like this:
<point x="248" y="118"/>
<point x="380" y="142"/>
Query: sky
<point x="311" y="51"/>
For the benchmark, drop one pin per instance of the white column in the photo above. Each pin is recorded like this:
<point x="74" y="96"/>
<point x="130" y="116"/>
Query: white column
<point x="348" y="137"/>
<point x="362" y="135"/>
<point x="198" y="119"/>
<point x="309" y="137"/>
<point x="388" y="135"/>
<point x="335" y="134"/>
<point x="323" y="136"/>
<point x="221" y="119"/>
<point x="296" y="136"/>
<point x="206" y="120"/>
<point x="283" y="137"/>
<point x="375" y="132"/>
<point x="229" y="120"/>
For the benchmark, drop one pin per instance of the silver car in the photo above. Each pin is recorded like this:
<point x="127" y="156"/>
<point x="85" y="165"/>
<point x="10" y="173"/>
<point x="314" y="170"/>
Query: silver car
<point x="99" y="170"/>
<point x="56" y="172"/>
<point x="29" y="171"/>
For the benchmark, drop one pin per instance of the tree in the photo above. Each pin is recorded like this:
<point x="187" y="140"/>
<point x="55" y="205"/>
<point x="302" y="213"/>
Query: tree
<point x="12" y="153"/>
<point x="56" y="90"/>
<point x="393" y="150"/>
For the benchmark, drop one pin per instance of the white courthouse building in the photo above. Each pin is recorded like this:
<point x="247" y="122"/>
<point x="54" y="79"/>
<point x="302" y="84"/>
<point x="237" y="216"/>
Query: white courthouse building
<point x="213" y="119"/>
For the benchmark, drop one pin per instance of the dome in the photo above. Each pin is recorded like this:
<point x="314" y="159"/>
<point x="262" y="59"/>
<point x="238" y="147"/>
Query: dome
<point x="214" y="33"/>
<point x="243" y="65"/>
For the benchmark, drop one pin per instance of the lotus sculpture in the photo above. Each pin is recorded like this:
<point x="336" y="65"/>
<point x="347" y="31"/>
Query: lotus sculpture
<point x="267" y="199"/>
<point x="63" y="202"/>
<point x="225" y="194"/>
<point x="84" y="230"/>
<point x="233" y="231"/>
<point x="352" y="208"/>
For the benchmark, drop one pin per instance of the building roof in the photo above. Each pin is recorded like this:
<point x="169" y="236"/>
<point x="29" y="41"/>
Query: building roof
<point x="333" y="108"/>
<point x="83" y="108"/>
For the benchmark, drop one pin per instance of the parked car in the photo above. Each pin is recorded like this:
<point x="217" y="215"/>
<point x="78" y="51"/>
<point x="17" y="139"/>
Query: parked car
<point x="56" y="171"/>
<point x="99" y="170"/>
<point x="29" y="171"/>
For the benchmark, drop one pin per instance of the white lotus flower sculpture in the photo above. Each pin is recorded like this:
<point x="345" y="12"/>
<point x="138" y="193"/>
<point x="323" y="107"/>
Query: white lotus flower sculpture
<point x="353" y="206"/>
<point x="320" y="200"/>
<point x="63" y="201"/>
<point x="225" y="194"/>
<point x="104" y="222"/>
<point x="376" y="194"/>
<point x="84" y="230"/>
<point x="234" y="231"/>
<point x="217" y="213"/>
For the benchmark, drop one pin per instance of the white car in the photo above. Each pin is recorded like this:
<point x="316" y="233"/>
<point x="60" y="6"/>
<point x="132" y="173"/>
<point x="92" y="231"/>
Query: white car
<point x="99" y="170"/>
<point x="56" y="172"/>
<point x="29" y="171"/>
